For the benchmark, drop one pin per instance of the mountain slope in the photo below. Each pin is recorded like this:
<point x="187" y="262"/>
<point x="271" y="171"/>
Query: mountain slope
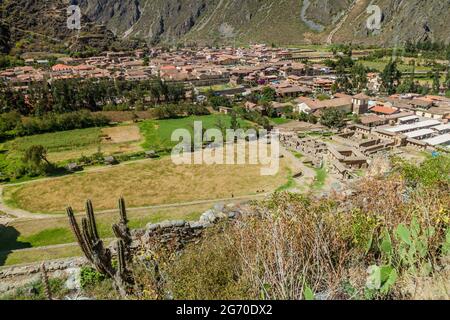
<point x="416" y="20"/>
<point x="36" y="25"/>
<point x="220" y="21"/>
<point x="279" y="21"/>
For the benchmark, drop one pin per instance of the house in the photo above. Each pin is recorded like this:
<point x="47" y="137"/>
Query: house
<point x="225" y="110"/>
<point x="408" y="119"/>
<point x="372" y="121"/>
<point x="442" y="129"/>
<point x="383" y="110"/>
<point x="250" y="106"/>
<point x="292" y="91"/>
<point x="62" y="68"/>
<point x="342" y="103"/>
<point x="322" y="85"/>
<point x="421" y="103"/>
<point x="280" y="108"/>
<point x="374" y="82"/>
<point x="438" y="113"/>
<point x="442" y="140"/>
<point x="360" y="104"/>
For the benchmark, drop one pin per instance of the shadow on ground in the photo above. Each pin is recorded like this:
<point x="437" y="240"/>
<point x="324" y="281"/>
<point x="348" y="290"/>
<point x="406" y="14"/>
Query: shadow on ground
<point x="9" y="241"/>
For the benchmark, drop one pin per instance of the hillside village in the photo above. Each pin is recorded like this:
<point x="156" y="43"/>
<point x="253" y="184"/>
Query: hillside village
<point x="332" y="138"/>
<point x="299" y="78"/>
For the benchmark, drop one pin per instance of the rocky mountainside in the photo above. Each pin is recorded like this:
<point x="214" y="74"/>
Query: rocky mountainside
<point x="219" y="21"/>
<point x="279" y="21"/>
<point x="36" y="25"/>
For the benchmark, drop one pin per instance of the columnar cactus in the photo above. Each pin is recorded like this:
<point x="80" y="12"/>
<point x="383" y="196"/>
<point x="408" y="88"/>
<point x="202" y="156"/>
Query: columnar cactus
<point x="121" y="230"/>
<point x="45" y="282"/>
<point x="95" y="251"/>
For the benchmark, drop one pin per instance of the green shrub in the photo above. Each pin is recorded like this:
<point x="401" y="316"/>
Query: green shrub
<point x="90" y="277"/>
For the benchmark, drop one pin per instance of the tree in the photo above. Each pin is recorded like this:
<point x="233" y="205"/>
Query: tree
<point x="219" y="101"/>
<point x="9" y="121"/>
<point x="303" y="116"/>
<point x="221" y="125"/>
<point x="234" y="121"/>
<point x="447" y="79"/>
<point x="436" y="82"/>
<point x="390" y="77"/>
<point x="343" y="83"/>
<point x="266" y="124"/>
<point x="312" y="118"/>
<point x="332" y="118"/>
<point x="35" y="157"/>
<point x="409" y="86"/>
<point x="268" y="94"/>
<point x="359" y="77"/>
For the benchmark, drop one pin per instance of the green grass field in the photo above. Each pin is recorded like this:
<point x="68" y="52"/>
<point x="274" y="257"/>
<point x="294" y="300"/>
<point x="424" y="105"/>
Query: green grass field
<point x="13" y="150"/>
<point x="278" y="121"/>
<point x="158" y="133"/>
<point x="217" y="87"/>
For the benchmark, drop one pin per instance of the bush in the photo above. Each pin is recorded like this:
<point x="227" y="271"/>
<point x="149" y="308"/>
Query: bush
<point x="90" y="277"/>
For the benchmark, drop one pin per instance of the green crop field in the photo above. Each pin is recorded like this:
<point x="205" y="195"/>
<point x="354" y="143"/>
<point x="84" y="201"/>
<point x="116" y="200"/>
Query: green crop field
<point x="57" y="141"/>
<point x="11" y="152"/>
<point x="278" y="121"/>
<point x="70" y="145"/>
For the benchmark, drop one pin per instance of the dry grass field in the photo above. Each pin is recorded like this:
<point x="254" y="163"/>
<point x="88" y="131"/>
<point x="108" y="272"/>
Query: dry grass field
<point x="146" y="183"/>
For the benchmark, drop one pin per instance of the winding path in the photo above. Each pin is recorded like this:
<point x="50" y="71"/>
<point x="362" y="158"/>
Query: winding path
<point x="341" y="23"/>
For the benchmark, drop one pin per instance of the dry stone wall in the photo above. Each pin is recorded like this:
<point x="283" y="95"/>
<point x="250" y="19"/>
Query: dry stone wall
<point x="173" y="235"/>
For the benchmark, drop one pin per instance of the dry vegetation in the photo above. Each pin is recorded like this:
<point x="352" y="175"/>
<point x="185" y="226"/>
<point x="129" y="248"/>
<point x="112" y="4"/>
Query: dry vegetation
<point x="390" y="239"/>
<point x="144" y="184"/>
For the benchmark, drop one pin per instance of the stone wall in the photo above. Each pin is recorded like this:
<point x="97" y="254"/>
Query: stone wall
<point x="173" y="235"/>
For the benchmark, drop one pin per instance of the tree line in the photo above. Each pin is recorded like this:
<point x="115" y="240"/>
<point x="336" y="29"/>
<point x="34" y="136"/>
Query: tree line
<point x="62" y="96"/>
<point x="13" y="124"/>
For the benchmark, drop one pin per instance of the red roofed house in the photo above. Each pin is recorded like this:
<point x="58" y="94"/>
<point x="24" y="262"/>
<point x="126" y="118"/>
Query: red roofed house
<point x="384" y="110"/>
<point x="62" y="68"/>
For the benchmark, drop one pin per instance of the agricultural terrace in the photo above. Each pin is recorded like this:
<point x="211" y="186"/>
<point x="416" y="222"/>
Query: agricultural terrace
<point x="380" y="64"/>
<point x="144" y="183"/>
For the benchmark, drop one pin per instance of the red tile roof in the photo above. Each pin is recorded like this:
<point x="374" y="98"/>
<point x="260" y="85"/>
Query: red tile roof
<point x="383" y="110"/>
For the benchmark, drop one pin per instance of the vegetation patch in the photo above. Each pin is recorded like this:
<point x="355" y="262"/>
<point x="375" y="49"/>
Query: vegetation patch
<point x="320" y="179"/>
<point x="158" y="133"/>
